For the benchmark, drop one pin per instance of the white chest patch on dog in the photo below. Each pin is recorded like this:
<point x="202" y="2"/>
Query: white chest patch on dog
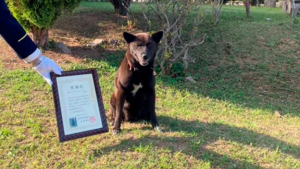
<point x="136" y="88"/>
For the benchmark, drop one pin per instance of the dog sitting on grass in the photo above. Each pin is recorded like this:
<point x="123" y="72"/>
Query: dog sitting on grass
<point x="134" y="84"/>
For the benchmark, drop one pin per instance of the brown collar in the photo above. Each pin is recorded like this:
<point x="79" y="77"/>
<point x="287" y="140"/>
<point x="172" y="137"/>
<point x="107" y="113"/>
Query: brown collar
<point x="131" y="66"/>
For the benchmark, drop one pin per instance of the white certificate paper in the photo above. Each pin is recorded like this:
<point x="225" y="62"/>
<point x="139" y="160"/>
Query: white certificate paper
<point x="79" y="105"/>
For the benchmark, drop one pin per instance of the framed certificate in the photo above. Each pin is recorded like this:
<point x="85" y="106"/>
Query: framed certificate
<point x="78" y="104"/>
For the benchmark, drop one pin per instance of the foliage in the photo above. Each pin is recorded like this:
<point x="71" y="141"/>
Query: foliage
<point x="39" y="13"/>
<point x="181" y="31"/>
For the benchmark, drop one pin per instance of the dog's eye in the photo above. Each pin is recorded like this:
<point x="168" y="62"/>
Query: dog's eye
<point x="149" y="45"/>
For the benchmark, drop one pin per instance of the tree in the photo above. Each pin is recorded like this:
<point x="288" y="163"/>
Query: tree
<point x="247" y="8"/>
<point x="38" y="15"/>
<point x="254" y="2"/>
<point x="181" y="22"/>
<point x="216" y="7"/>
<point x="121" y="6"/>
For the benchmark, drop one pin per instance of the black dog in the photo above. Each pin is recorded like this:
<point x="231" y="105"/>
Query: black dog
<point x="134" y="85"/>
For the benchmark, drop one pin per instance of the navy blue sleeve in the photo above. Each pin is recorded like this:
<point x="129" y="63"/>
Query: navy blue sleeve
<point x="14" y="34"/>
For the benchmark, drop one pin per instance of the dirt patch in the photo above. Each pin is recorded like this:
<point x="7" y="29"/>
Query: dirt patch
<point x="76" y="31"/>
<point x="286" y="45"/>
<point x="247" y="59"/>
<point x="10" y="60"/>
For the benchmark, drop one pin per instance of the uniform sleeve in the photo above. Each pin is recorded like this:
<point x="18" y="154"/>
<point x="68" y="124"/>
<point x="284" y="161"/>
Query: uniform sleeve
<point x="13" y="33"/>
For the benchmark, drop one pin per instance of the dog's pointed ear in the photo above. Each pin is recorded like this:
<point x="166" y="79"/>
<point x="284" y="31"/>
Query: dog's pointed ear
<point x="157" y="36"/>
<point x="129" y="37"/>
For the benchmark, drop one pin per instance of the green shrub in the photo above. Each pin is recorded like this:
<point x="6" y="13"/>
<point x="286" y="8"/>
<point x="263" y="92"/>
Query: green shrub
<point x="38" y="15"/>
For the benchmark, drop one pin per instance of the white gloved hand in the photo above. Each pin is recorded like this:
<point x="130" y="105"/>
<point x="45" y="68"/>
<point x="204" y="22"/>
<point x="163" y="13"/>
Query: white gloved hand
<point x="47" y="66"/>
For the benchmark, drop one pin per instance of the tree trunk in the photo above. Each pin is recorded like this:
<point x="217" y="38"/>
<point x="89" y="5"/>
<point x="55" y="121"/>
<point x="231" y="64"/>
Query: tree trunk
<point x="40" y="36"/>
<point x="116" y="5"/>
<point x="121" y="6"/>
<point x="247" y="9"/>
<point x="123" y="10"/>
<point x="225" y="1"/>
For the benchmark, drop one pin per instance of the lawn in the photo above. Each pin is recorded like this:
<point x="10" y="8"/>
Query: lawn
<point x="242" y="112"/>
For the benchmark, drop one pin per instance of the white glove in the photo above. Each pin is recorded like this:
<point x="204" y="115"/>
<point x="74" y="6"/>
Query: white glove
<point x="47" y="66"/>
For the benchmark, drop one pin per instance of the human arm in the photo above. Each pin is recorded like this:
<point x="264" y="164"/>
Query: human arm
<point x="13" y="33"/>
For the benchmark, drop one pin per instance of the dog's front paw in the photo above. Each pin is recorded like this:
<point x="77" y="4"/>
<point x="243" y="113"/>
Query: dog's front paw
<point x="116" y="131"/>
<point x="158" y="129"/>
<point x="111" y="123"/>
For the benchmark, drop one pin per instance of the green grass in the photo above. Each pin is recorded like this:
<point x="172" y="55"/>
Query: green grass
<point x="225" y="120"/>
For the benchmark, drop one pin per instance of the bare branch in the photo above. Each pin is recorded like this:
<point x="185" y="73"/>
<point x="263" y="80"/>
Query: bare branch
<point x="174" y="18"/>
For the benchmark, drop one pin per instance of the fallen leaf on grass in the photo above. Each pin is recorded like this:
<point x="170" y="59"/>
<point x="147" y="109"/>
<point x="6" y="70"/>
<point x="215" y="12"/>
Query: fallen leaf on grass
<point x="277" y="114"/>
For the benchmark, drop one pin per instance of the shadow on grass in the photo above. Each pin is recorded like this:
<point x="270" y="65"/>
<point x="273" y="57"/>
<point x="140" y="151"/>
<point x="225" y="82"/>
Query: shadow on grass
<point x="113" y="57"/>
<point x="231" y="83"/>
<point x="208" y="133"/>
<point x="217" y="77"/>
<point x="249" y="84"/>
<point x="228" y="82"/>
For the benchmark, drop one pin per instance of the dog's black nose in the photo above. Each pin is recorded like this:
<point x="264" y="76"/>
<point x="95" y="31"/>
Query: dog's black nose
<point x="145" y="57"/>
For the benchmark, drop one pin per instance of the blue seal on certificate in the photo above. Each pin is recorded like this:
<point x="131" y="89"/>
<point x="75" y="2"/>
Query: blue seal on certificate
<point x="73" y="122"/>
